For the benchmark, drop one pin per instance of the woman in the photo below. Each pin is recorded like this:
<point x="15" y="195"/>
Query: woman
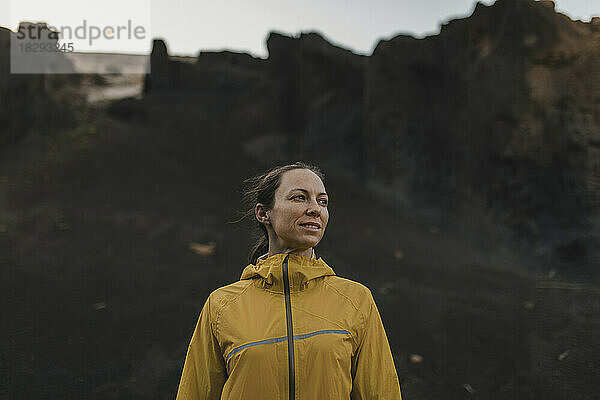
<point x="289" y="328"/>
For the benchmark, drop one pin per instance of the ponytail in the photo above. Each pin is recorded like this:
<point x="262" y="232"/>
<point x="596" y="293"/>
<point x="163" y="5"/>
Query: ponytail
<point x="261" y="247"/>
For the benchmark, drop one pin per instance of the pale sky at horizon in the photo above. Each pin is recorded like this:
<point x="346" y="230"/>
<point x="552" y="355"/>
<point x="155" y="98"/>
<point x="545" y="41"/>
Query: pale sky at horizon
<point x="189" y="26"/>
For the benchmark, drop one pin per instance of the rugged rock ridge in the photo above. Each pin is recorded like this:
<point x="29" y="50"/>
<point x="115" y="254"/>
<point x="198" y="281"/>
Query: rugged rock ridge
<point x="210" y="72"/>
<point x="495" y="119"/>
<point x="499" y="109"/>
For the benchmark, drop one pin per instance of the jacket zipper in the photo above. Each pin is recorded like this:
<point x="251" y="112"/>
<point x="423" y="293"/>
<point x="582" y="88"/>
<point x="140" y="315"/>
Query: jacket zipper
<point x="290" y="329"/>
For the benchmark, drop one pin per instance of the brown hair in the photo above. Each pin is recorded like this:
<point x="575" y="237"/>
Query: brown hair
<point x="261" y="189"/>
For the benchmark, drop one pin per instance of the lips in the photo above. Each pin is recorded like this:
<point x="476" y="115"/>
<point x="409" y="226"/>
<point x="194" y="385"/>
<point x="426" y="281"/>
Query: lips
<point x="311" y="225"/>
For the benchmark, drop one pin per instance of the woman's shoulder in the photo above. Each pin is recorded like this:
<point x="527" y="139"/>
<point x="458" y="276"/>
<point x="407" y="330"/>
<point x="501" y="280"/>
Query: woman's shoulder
<point x="346" y="283"/>
<point x="359" y="294"/>
<point x="223" y="295"/>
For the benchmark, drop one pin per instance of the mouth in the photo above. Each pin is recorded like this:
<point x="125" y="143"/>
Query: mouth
<point x="311" y="226"/>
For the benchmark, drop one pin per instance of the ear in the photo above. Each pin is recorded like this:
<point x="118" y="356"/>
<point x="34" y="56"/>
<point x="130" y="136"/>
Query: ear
<point x="261" y="214"/>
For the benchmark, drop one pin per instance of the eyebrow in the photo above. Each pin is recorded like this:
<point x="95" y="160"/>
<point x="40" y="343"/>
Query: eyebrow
<point x="306" y="191"/>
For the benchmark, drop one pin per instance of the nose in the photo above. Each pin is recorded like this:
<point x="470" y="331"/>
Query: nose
<point x="313" y="209"/>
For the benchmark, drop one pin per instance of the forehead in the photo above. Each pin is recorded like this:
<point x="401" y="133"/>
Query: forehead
<point x="300" y="178"/>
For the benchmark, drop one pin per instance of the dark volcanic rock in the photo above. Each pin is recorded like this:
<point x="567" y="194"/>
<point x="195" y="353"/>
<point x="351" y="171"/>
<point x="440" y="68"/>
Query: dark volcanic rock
<point x="320" y="99"/>
<point x="163" y="73"/>
<point x="499" y="109"/>
<point x="220" y="72"/>
<point x="495" y="122"/>
<point x="31" y="102"/>
<point x="311" y="90"/>
<point x="16" y="95"/>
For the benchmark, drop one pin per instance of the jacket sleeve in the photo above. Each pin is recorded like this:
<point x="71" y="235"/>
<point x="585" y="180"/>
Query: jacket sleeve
<point x="204" y="372"/>
<point x="373" y="371"/>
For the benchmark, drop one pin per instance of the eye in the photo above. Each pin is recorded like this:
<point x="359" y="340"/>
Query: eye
<point x="298" y="196"/>
<point x="324" y="202"/>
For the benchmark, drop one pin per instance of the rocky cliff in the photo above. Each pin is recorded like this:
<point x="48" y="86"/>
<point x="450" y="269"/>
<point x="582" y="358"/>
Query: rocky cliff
<point x="499" y="111"/>
<point x="494" y="122"/>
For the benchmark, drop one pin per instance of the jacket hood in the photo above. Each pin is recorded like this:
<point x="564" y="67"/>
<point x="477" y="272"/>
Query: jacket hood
<point x="302" y="270"/>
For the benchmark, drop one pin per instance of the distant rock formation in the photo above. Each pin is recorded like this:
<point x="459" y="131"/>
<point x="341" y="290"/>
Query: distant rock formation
<point x="35" y="50"/>
<point x="210" y="72"/>
<point x="498" y="117"/>
<point x="27" y="101"/>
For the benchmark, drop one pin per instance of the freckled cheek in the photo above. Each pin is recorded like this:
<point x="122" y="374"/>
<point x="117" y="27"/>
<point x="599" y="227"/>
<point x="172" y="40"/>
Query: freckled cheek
<point x="297" y="213"/>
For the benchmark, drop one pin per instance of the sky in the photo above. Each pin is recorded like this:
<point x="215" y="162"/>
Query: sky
<point x="189" y="26"/>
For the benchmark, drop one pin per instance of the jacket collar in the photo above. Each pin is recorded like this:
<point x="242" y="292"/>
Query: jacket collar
<point x="264" y="256"/>
<point x="269" y="271"/>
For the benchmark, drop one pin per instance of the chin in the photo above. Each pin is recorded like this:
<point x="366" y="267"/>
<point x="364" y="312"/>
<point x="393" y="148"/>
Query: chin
<point x="311" y="243"/>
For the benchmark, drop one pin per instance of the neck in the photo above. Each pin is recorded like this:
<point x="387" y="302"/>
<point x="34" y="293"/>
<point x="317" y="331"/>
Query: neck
<point x="306" y="253"/>
<point x="310" y="252"/>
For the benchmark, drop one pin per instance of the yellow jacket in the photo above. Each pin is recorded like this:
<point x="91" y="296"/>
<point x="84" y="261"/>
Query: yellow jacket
<point x="289" y="329"/>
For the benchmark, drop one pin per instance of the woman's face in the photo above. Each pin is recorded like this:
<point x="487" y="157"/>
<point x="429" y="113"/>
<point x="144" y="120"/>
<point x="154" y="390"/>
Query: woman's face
<point x="299" y="215"/>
